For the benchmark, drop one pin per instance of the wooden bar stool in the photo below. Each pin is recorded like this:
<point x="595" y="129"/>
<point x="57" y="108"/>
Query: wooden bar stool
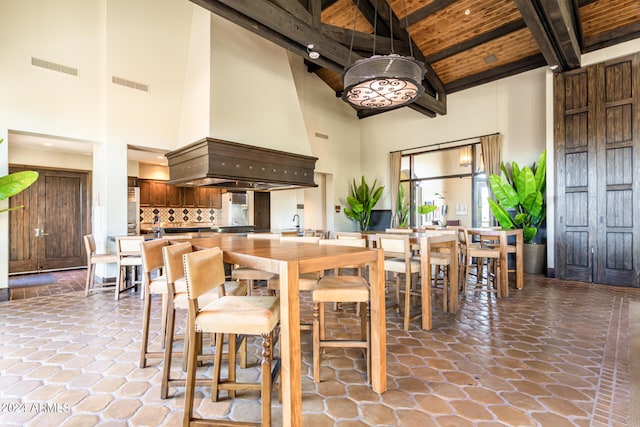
<point x="152" y="261"/>
<point x="340" y="289"/>
<point x="492" y="255"/>
<point x="178" y="300"/>
<point x="250" y="275"/>
<point x="399" y="259"/>
<point x="233" y="315"/>
<point x="92" y="260"/>
<point x="129" y="256"/>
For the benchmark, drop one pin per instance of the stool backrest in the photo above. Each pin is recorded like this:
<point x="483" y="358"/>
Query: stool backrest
<point x="360" y="243"/>
<point x="173" y="264"/>
<point x="348" y="235"/>
<point x="263" y="236"/>
<point x="152" y="254"/>
<point x="129" y="245"/>
<point x="203" y="271"/>
<point x="89" y="246"/>
<point x="394" y="245"/>
<point x="301" y="239"/>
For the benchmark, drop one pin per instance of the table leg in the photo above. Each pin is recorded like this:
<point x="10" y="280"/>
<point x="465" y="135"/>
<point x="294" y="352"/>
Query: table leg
<point x="425" y="285"/>
<point x="453" y="279"/>
<point x="378" y="325"/>
<point x="519" y="261"/>
<point x="504" y="266"/>
<point x="290" y="353"/>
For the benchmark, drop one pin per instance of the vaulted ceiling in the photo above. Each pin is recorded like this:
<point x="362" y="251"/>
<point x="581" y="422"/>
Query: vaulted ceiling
<point x="463" y="43"/>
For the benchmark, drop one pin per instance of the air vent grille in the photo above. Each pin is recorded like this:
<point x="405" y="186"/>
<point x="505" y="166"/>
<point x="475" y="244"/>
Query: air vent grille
<point x="55" y="67"/>
<point x="129" y="83"/>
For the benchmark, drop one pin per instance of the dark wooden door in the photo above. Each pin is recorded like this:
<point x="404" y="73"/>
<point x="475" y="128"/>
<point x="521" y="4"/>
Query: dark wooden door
<point x="597" y="173"/>
<point x="47" y="233"/>
<point x="262" y="211"/>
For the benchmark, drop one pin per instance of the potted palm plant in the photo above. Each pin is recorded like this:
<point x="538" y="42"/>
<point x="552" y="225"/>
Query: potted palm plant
<point x="14" y="183"/>
<point x="521" y="192"/>
<point x="361" y="200"/>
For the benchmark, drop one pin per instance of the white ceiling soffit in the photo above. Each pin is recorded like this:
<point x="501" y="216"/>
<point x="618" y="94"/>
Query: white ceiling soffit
<point x="80" y="147"/>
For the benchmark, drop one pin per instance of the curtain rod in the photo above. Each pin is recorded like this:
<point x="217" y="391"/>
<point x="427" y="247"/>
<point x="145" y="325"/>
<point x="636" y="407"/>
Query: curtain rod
<point x="445" y="143"/>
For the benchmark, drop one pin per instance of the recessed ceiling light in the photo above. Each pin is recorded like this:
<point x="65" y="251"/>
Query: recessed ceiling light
<point x="489" y="59"/>
<point x="467" y="12"/>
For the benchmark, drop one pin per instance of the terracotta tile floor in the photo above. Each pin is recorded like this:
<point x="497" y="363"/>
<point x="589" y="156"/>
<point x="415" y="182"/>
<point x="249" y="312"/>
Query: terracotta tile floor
<point x="553" y="354"/>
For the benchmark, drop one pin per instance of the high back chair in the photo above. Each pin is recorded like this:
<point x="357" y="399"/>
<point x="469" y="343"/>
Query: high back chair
<point x="434" y="258"/>
<point x="178" y="300"/>
<point x="152" y="261"/>
<point x="348" y="235"/>
<point x="301" y="239"/>
<point x="129" y="253"/>
<point x="399" y="260"/>
<point x="250" y="275"/>
<point x="232" y="315"/>
<point x="487" y="279"/>
<point x="399" y="230"/>
<point x="341" y="289"/>
<point x="93" y="259"/>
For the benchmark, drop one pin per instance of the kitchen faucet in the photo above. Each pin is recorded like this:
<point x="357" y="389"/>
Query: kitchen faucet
<point x="296" y="219"/>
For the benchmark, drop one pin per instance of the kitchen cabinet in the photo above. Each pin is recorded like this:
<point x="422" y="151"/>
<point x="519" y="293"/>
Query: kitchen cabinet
<point x="208" y="198"/>
<point x="159" y="194"/>
<point x="174" y="196"/>
<point x="145" y="192"/>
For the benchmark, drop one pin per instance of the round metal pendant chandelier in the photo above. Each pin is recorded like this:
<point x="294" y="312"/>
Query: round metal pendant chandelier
<point x="383" y="81"/>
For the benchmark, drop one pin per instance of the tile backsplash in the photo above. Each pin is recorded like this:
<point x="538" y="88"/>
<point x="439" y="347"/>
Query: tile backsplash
<point x="179" y="215"/>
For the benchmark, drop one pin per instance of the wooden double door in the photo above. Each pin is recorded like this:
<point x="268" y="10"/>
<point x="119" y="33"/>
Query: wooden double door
<point x="597" y="149"/>
<point x="47" y="234"/>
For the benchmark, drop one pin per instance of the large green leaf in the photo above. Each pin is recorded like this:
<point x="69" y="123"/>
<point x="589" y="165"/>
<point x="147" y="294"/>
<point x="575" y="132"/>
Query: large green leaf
<point x="361" y="201"/>
<point x="541" y="172"/>
<point x="501" y="215"/>
<point x="504" y="193"/>
<point x="526" y="188"/>
<point x="14" y="183"/>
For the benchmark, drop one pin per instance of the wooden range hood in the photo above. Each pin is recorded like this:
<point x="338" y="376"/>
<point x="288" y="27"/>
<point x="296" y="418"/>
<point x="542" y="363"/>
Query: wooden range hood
<point x="212" y="162"/>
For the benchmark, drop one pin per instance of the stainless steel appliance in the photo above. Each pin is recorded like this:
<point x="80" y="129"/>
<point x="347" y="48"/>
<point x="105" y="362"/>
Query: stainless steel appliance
<point x="133" y="211"/>
<point x="235" y="210"/>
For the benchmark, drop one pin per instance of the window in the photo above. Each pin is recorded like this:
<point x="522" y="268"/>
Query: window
<point x="440" y="177"/>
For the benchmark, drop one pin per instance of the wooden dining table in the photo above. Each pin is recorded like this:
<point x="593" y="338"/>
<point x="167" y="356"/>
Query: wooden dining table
<point x="289" y="260"/>
<point x="442" y="238"/>
<point x="503" y="237"/>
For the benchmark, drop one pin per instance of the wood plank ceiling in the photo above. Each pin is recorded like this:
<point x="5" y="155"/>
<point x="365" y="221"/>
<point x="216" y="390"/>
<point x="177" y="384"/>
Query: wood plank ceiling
<point x="463" y="43"/>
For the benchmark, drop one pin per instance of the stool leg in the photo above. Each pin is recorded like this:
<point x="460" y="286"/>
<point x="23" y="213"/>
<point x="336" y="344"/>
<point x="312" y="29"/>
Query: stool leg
<point x="366" y="308"/>
<point x="316" y="342"/>
<point x="266" y="379"/>
<point x="232" y="363"/>
<point x="146" y="314"/>
<point x="90" y="274"/>
<point x="216" y="368"/>
<point x="191" y="376"/>
<point x="166" y="365"/>
<point x="407" y="301"/>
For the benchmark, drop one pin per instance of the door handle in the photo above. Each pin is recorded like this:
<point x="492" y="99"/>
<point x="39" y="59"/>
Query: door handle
<point x="39" y="233"/>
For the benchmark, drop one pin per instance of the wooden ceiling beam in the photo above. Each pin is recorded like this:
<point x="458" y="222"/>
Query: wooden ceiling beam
<point x="476" y="41"/>
<point x="268" y="20"/>
<point x="613" y="37"/>
<point x="423" y="12"/>
<point x="552" y="24"/>
<point x="371" y="12"/>
<point x="506" y="70"/>
<point x="364" y="41"/>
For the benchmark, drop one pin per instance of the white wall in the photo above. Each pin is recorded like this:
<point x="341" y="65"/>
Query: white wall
<point x="513" y="106"/>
